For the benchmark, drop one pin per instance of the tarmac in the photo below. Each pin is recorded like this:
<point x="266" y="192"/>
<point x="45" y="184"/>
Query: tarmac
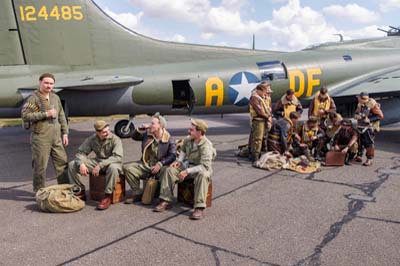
<point x="346" y="215"/>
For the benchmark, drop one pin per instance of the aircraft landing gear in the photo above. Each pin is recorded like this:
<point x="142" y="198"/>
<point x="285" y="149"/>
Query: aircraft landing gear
<point x="124" y="128"/>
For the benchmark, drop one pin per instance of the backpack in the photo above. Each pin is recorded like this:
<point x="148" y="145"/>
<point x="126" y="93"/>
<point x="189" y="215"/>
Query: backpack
<point x="58" y="198"/>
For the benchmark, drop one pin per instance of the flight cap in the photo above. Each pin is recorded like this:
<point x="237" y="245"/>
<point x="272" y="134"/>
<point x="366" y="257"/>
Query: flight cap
<point x="200" y="124"/>
<point x="100" y="125"/>
<point x="364" y="96"/>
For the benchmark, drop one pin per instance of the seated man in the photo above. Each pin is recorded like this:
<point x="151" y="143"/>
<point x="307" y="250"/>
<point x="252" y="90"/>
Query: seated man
<point x="346" y="140"/>
<point x="158" y="150"/>
<point x="287" y="104"/>
<point x="330" y="127"/>
<point x="194" y="162"/>
<point x="308" y="135"/>
<point x="108" y="150"/>
<point x="282" y="134"/>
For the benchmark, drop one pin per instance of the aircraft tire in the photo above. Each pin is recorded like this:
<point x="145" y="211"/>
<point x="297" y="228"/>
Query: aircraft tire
<point x="120" y="129"/>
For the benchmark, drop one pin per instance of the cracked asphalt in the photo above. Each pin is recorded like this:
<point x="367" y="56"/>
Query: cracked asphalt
<point x="346" y="215"/>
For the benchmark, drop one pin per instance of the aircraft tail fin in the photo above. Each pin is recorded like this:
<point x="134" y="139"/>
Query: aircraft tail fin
<point x="11" y="52"/>
<point x="79" y="33"/>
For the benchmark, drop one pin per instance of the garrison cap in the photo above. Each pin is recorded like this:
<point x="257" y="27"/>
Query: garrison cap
<point x="160" y="118"/>
<point x="201" y="124"/>
<point x="323" y="90"/>
<point x="100" y="125"/>
<point x="289" y="92"/>
<point x="364" y="95"/>
<point x="266" y="85"/>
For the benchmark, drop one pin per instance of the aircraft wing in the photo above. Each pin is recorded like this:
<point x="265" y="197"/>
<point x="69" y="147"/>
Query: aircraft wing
<point x="91" y="83"/>
<point x="381" y="83"/>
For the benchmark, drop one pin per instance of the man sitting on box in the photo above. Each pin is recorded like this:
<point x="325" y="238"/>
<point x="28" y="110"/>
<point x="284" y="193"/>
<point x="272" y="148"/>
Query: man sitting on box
<point x="346" y="140"/>
<point x="109" y="153"/>
<point x="194" y="162"/>
<point x="158" y="150"/>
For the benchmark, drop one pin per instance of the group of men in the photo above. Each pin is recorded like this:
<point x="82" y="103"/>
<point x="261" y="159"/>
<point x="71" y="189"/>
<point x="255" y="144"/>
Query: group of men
<point x="43" y="113"/>
<point x="277" y="129"/>
<point x="272" y="129"/>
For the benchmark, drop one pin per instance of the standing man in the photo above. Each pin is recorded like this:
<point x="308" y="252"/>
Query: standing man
<point x="261" y="119"/>
<point x="194" y="162"/>
<point x="108" y="150"/>
<point x="44" y="113"/>
<point x="368" y="116"/>
<point x="321" y="105"/>
<point x="288" y="104"/>
<point x="283" y="133"/>
<point x="268" y="102"/>
<point x="158" y="150"/>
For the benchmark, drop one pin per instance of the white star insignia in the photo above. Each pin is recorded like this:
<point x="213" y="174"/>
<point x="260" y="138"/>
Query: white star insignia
<point x="244" y="89"/>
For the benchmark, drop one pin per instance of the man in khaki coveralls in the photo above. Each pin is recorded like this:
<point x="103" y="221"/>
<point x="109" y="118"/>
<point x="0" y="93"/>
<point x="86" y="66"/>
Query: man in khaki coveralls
<point x="158" y="150"/>
<point x="109" y="153"/>
<point x="43" y="112"/>
<point x="194" y="162"/>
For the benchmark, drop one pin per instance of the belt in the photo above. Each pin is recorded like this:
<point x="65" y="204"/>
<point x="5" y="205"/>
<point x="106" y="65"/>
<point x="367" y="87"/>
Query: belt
<point x="274" y="136"/>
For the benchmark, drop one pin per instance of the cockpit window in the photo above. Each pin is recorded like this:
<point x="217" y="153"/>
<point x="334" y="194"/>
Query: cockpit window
<point x="272" y="70"/>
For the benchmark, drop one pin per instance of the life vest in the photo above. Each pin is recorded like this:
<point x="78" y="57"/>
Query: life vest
<point x="331" y="128"/>
<point x="263" y="105"/>
<point x="268" y="101"/>
<point x="291" y="131"/>
<point x="308" y="133"/>
<point x="289" y="106"/>
<point x="318" y="105"/>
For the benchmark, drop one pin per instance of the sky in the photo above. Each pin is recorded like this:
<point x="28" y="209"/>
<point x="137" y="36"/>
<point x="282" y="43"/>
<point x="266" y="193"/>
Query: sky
<point x="283" y="25"/>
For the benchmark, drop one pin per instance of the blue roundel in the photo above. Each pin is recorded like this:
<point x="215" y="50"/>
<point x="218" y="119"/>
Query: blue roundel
<point x="240" y="87"/>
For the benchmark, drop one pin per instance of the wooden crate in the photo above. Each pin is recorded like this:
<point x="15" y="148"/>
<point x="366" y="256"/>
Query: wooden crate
<point x="186" y="193"/>
<point x="97" y="185"/>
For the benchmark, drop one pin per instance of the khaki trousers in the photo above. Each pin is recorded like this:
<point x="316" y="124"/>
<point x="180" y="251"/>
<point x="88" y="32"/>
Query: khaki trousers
<point x="111" y="174"/>
<point x="44" y="146"/>
<point x="134" y="172"/>
<point x="169" y="177"/>
<point x="258" y="128"/>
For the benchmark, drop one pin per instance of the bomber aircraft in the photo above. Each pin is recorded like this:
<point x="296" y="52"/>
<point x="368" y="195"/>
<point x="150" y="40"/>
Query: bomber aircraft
<point x="103" y="68"/>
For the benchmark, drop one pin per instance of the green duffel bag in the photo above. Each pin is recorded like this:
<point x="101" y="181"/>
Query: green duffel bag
<point x="58" y="198"/>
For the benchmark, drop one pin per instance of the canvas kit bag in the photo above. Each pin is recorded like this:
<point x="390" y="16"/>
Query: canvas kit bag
<point x="58" y="198"/>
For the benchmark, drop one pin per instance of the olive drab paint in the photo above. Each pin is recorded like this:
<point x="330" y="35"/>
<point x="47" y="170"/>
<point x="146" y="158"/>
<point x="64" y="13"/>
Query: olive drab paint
<point x="94" y="57"/>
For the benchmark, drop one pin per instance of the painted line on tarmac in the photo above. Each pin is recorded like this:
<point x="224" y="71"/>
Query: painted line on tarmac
<point x="378" y="219"/>
<point x="158" y="223"/>
<point x="215" y="249"/>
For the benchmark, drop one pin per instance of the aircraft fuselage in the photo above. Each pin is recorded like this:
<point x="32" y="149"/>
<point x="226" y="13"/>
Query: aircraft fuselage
<point x="209" y="86"/>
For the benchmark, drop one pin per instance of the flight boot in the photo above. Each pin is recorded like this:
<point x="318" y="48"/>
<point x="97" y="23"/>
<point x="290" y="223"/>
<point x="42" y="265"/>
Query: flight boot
<point x="254" y="156"/>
